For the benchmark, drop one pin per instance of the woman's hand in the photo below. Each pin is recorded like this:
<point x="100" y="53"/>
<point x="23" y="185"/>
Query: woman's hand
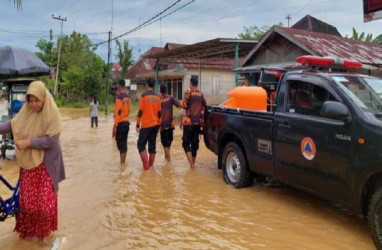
<point x="23" y="144"/>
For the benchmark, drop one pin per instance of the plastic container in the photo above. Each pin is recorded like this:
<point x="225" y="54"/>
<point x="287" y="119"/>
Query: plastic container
<point x="251" y="98"/>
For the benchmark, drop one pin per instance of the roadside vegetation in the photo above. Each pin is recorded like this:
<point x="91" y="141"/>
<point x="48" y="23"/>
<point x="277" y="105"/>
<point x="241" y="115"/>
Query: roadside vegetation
<point x="82" y="74"/>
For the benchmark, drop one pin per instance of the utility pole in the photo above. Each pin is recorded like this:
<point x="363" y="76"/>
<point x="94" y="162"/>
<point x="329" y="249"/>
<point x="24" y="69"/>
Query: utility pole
<point x="288" y="17"/>
<point x="107" y="75"/>
<point x="59" y="53"/>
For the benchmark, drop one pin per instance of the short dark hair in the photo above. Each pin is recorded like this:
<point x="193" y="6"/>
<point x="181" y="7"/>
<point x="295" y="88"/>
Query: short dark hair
<point x="151" y="82"/>
<point x="122" y="82"/>
<point x="163" y="89"/>
<point x="194" y="80"/>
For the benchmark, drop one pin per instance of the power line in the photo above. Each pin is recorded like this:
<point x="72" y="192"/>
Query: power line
<point x="306" y="5"/>
<point x="141" y="25"/>
<point x="154" y="21"/>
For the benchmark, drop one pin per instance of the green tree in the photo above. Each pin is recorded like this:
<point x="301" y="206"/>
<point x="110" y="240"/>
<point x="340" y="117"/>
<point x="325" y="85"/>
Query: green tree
<point x="48" y="52"/>
<point x="254" y="32"/>
<point x="125" y="57"/>
<point x="81" y="71"/>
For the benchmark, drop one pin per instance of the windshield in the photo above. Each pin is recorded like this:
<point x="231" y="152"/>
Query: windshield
<point x="365" y="91"/>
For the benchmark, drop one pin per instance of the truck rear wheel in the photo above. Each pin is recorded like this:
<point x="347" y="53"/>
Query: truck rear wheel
<point x="235" y="167"/>
<point x="374" y="217"/>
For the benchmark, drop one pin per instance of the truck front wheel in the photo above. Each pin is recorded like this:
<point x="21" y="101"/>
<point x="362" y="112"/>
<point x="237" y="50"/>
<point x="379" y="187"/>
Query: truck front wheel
<point x="235" y="167"/>
<point x="374" y="217"/>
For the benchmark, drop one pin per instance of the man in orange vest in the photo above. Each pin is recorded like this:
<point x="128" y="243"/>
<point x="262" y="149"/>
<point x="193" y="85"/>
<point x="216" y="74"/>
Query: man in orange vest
<point x="148" y="122"/>
<point x="121" y="119"/>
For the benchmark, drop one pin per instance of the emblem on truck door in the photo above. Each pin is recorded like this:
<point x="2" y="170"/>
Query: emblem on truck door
<point x="308" y="148"/>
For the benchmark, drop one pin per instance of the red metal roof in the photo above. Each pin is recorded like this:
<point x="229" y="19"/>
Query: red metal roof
<point x="143" y="65"/>
<point x="171" y="46"/>
<point x="227" y="64"/>
<point x="147" y="63"/>
<point x="330" y="45"/>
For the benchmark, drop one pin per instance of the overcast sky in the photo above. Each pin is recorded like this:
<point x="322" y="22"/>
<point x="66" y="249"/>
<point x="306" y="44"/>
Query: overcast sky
<point x="187" y="22"/>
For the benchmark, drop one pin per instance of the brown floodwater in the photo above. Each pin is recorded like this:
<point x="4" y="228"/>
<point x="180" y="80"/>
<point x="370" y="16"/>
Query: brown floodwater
<point x="107" y="205"/>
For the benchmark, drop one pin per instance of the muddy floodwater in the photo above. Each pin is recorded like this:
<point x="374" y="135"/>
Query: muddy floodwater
<point x="107" y="205"/>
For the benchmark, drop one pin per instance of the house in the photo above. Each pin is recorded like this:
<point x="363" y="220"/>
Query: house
<point x="135" y="74"/>
<point x="115" y="71"/>
<point x="213" y="61"/>
<point x="280" y="47"/>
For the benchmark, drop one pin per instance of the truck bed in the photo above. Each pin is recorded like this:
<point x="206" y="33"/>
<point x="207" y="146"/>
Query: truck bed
<point x="252" y="129"/>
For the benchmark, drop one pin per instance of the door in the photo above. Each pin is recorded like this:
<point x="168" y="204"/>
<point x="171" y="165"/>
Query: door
<point x="313" y="152"/>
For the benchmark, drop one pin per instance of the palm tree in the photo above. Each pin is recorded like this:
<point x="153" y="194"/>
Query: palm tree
<point x="378" y="39"/>
<point x="366" y="37"/>
<point x="18" y="3"/>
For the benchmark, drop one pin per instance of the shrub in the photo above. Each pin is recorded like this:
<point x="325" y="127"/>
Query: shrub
<point x="78" y="105"/>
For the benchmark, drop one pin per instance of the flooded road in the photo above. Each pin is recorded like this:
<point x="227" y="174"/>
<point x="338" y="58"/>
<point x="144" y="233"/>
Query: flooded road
<point x="107" y="205"/>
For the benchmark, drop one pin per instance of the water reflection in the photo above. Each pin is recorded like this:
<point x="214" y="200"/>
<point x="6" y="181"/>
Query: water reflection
<point x="107" y="205"/>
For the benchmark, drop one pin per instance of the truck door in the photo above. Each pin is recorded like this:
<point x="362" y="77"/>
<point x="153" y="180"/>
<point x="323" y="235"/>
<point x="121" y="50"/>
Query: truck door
<point x="312" y="152"/>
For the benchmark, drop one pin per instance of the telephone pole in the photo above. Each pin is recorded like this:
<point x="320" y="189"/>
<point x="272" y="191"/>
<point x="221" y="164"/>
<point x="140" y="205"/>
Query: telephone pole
<point x="288" y="17"/>
<point x="59" y="53"/>
<point x="107" y="75"/>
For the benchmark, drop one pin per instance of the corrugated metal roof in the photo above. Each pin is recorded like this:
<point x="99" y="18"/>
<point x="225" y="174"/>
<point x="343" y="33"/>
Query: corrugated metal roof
<point x="215" y="49"/>
<point x="330" y="45"/>
<point x="322" y="45"/>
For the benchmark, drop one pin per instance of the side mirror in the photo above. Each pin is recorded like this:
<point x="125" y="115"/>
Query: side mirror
<point x="336" y="110"/>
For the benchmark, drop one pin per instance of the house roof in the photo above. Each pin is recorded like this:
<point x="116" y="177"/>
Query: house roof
<point x="171" y="46"/>
<point x="313" y="24"/>
<point x="322" y="45"/>
<point x="178" y="57"/>
<point x="143" y="66"/>
<point x="216" y="49"/>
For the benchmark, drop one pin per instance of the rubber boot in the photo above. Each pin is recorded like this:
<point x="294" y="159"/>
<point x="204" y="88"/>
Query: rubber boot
<point x="151" y="160"/>
<point x="144" y="159"/>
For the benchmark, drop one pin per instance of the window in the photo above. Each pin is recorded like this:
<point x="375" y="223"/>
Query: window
<point x="306" y="98"/>
<point x="174" y="87"/>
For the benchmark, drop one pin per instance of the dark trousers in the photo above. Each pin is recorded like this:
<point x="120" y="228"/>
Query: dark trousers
<point x="166" y="137"/>
<point x="94" y="120"/>
<point x="148" y="135"/>
<point x="190" y="139"/>
<point x="121" y="136"/>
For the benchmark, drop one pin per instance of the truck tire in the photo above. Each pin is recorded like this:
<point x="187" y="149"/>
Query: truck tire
<point x="235" y="167"/>
<point x="374" y="217"/>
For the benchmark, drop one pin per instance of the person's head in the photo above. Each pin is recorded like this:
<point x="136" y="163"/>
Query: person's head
<point x="150" y="82"/>
<point x="194" y="81"/>
<point x="120" y="85"/>
<point x="36" y="95"/>
<point x="95" y="99"/>
<point x="163" y="89"/>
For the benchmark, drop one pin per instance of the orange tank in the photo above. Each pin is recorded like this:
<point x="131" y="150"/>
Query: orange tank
<point x="252" y="98"/>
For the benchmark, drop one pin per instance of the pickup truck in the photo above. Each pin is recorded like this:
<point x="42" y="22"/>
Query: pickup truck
<point x="322" y="134"/>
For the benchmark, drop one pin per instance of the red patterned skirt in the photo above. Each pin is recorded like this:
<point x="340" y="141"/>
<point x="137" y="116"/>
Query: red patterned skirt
<point x="37" y="215"/>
